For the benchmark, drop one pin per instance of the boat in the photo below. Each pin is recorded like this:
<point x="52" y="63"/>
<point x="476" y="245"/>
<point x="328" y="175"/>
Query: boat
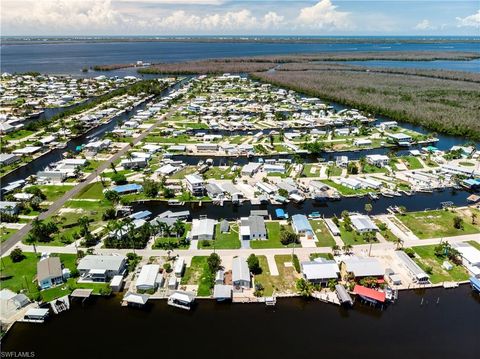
<point x="175" y="202"/>
<point x="372" y="195"/>
<point x="314" y="215"/>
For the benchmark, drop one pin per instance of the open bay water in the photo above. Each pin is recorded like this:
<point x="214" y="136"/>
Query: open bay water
<point x="444" y="326"/>
<point x="71" y="57"/>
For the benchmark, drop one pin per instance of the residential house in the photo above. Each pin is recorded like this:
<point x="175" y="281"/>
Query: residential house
<point x="302" y="227"/>
<point x="101" y="268"/>
<point x="202" y="229"/>
<point x="252" y="228"/>
<point x="49" y="272"/>
<point x="320" y="271"/>
<point x="378" y="160"/>
<point x="363" y="224"/>
<point x="361" y="267"/>
<point x="240" y="274"/>
<point x="195" y="184"/>
<point x="147" y="279"/>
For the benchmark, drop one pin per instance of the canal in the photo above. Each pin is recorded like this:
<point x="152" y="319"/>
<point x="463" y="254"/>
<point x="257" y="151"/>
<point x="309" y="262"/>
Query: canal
<point x="416" y="202"/>
<point x="55" y="155"/>
<point x="444" y="326"/>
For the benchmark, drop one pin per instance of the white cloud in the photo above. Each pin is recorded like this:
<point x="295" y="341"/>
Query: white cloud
<point x="469" y="21"/>
<point x="323" y="15"/>
<point x="272" y="19"/>
<point x="424" y="25"/>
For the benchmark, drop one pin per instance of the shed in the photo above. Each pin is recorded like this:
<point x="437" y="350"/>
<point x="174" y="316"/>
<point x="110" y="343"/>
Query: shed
<point x="224" y="226"/>
<point x="179" y="267"/>
<point x="116" y="283"/>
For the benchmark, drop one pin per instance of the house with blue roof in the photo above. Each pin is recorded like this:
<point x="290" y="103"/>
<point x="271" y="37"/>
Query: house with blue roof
<point x="128" y="188"/>
<point x="302" y="227"/>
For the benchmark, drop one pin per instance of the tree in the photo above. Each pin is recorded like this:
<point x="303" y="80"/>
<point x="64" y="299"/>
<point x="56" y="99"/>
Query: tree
<point x="168" y="192"/>
<point x="398" y="242"/>
<point x="112" y="196"/>
<point x="458" y="222"/>
<point x="214" y="262"/>
<point x="254" y="264"/>
<point x="304" y="287"/>
<point x="368" y="207"/>
<point x="283" y="192"/>
<point x="352" y="168"/>
<point x="474" y="217"/>
<point x="179" y="228"/>
<point x="119" y="178"/>
<point x="287" y="237"/>
<point x="347" y="248"/>
<point x="16" y="255"/>
<point x="150" y="188"/>
<point x="335" y="249"/>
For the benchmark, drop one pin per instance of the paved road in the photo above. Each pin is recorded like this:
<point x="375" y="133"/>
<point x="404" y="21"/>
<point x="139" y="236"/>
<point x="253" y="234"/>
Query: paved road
<point x="55" y="206"/>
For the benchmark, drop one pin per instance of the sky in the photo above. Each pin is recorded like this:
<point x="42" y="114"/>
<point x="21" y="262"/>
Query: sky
<point x="224" y="17"/>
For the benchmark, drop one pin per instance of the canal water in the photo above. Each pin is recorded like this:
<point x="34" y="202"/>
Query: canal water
<point x="55" y="155"/>
<point x="444" y="326"/>
<point x="416" y="202"/>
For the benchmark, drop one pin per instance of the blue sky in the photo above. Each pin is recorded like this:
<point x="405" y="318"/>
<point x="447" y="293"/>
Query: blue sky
<point x="222" y="17"/>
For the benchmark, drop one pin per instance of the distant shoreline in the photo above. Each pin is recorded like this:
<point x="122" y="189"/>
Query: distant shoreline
<point x="29" y="40"/>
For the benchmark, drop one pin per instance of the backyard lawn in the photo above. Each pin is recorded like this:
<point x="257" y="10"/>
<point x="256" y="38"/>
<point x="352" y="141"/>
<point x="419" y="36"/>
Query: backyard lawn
<point x="228" y="240"/>
<point x="350" y="237"/>
<point x="273" y="240"/>
<point x="6" y="232"/>
<point x="324" y="237"/>
<point x="198" y="273"/>
<point x="429" y="259"/>
<point x="284" y="282"/>
<point x="436" y="224"/>
<point x="386" y="233"/>
<point x="345" y="190"/>
<point x="411" y="162"/>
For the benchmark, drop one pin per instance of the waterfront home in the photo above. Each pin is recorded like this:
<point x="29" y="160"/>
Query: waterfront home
<point x="459" y="170"/>
<point x="267" y="188"/>
<point x="417" y="274"/>
<point x="49" y="272"/>
<point x="147" y="279"/>
<point x="289" y="185"/>
<point x="320" y="271"/>
<point x="151" y="148"/>
<point x="332" y="227"/>
<point x="51" y="176"/>
<point x="250" y="168"/>
<point x="400" y="139"/>
<point x="341" y="161"/>
<point x="97" y="146"/>
<point x="240" y="274"/>
<point x="195" y="184"/>
<point x="350" y="182"/>
<point x="8" y="158"/>
<point x="362" y="142"/>
<point x="101" y="268"/>
<point x="363" y="224"/>
<point x="214" y="191"/>
<point x="202" y="229"/>
<point x="368" y="182"/>
<point x="128" y="188"/>
<point x="377" y="160"/>
<point x="274" y="168"/>
<point x="206" y="147"/>
<point x="27" y="151"/>
<point x="179" y="267"/>
<point x="387" y="125"/>
<point x="70" y="165"/>
<point x="302" y="227"/>
<point x="252" y="228"/>
<point x="9" y="207"/>
<point x="174" y="215"/>
<point x="167" y="170"/>
<point x="470" y="257"/>
<point x="360" y="267"/>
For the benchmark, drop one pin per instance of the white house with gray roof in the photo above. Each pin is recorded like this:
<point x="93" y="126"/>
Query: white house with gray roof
<point x="101" y="268"/>
<point x="252" y="228"/>
<point x="240" y="274"/>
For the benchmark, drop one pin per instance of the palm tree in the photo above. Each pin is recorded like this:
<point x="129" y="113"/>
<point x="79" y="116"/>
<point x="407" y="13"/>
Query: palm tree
<point x="347" y="248"/>
<point x="335" y="249"/>
<point x="368" y="207"/>
<point x="474" y="217"/>
<point x="179" y="228"/>
<point x="32" y="239"/>
<point x="112" y="165"/>
<point x="398" y="242"/>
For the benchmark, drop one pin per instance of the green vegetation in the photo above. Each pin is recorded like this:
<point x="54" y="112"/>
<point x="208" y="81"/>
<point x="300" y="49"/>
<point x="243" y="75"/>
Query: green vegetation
<point x="91" y="191"/>
<point x="54" y="192"/>
<point x="6" y="232"/>
<point x="475" y="244"/>
<point x="432" y="263"/>
<point x="273" y="240"/>
<point x="284" y="282"/>
<point x="324" y="237"/>
<point x="199" y="273"/>
<point x="436" y="224"/>
<point x="345" y="191"/>
<point x="412" y="162"/>
<point x="229" y="240"/>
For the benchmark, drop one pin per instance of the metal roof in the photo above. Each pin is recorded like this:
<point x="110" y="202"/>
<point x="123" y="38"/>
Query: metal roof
<point x="411" y="266"/>
<point x="240" y="271"/>
<point x="148" y="275"/>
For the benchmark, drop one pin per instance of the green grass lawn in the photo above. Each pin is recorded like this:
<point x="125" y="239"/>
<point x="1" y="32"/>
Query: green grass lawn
<point x="284" y="282"/>
<point x="20" y="276"/>
<point x="92" y="166"/>
<point x="183" y="172"/>
<point x="334" y="171"/>
<point x="436" y="224"/>
<point x="467" y="164"/>
<point x="54" y="192"/>
<point x="386" y="233"/>
<point x="345" y="190"/>
<point x="273" y="240"/>
<point x="68" y="287"/>
<point x="324" y="237"/>
<point x="5" y="233"/>
<point x="307" y="170"/>
<point x="174" y="240"/>
<point x="17" y="135"/>
<point x="428" y="258"/>
<point x="198" y="273"/>
<point x="350" y="237"/>
<point x="368" y="168"/>
<point x="91" y="191"/>
<point x="228" y="240"/>
<point x="411" y="162"/>
<point x="220" y="173"/>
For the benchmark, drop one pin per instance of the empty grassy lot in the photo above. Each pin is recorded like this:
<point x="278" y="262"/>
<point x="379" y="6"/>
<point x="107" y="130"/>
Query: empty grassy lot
<point x="198" y="273"/>
<point x="436" y="224"/>
<point x="229" y="240"/>
<point x="438" y="274"/>
<point x="324" y="237"/>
